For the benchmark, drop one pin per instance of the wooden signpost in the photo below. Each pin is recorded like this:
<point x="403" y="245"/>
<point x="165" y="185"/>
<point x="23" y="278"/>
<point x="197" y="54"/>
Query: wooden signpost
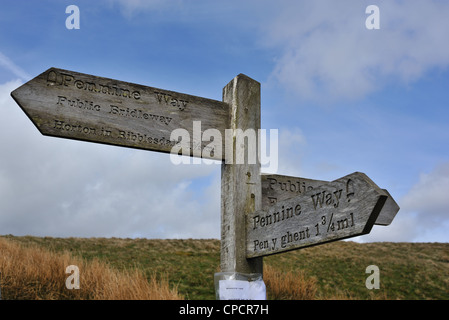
<point x="73" y="105"/>
<point x="260" y="214"/>
<point x="277" y="188"/>
<point x="340" y="209"/>
<point x="241" y="184"/>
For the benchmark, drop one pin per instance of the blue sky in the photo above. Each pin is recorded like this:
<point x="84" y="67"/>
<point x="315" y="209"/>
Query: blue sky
<point x="344" y="99"/>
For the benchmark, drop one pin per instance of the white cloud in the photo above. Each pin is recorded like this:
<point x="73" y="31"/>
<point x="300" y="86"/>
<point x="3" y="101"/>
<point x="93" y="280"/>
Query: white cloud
<point x="327" y="53"/>
<point x="322" y="49"/>
<point x="429" y="197"/>
<point x="59" y="187"/>
<point x="404" y="228"/>
<point x="424" y="213"/>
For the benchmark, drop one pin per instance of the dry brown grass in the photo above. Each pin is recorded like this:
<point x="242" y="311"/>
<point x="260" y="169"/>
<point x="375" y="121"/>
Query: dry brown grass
<point x="411" y="271"/>
<point x="288" y="285"/>
<point x="30" y="272"/>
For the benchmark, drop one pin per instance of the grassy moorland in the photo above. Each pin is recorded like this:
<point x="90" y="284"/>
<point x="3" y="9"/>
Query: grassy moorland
<point x="30" y="272"/>
<point x="331" y="271"/>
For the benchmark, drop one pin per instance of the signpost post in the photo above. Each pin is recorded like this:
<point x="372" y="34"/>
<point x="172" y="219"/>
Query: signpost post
<point x="260" y="214"/>
<point x="241" y="186"/>
<point x="241" y="189"/>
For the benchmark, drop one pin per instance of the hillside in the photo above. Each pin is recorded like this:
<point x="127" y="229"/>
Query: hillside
<point x="407" y="270"/>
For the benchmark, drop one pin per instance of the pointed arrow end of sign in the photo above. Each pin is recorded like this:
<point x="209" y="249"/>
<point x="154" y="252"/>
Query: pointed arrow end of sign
<point x="18" y="96"/>
<point x="20" y="92"/>
<point x="375" y="213"/>
<point x="380" y="194"/>
<point x="28" y="95"/>
<point x="389" y="211"/>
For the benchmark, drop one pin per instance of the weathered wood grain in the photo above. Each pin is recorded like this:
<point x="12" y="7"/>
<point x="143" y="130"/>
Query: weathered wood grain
<point x="73" y="105"/>
<point x="340" y="209"/>
<point x="240" y="183"/>
<point x="278" y="188"/>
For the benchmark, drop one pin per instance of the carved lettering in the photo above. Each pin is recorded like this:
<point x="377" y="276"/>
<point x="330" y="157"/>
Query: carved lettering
<point x="138" y="114"/>
<point x="144" y="138"/>
<point x="273" y="200"/>
<point x="345" y="223"/>
<point x="326" y="198"/>
<point x="260" y="245"/>
<point x="112" y="133"/>
<point x="296" y="187"/>
<point x="336" y="210"/>
<point x="290" y="237"/>
<point x="265" y="244"/>
<point x="329" y="226"/>
<point x="61" y="125"/>
<point x="349" y="189"/>
<point x="276" y="216"/>
<point x="65" y="79"/>
<point x="77" y="103"/>
<point x="169" y="100"/>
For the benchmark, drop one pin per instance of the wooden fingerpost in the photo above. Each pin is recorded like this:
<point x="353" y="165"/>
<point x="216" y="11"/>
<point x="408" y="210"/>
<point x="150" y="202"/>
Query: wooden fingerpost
<point x="241" y="186"/>
<point x="79" y="106"/>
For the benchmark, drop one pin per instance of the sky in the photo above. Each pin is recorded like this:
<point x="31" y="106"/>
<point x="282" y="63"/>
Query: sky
<point x="343" y="97"/>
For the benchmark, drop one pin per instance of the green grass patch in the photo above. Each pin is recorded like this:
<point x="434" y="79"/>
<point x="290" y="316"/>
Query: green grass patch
<point x="407" y="270"/>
